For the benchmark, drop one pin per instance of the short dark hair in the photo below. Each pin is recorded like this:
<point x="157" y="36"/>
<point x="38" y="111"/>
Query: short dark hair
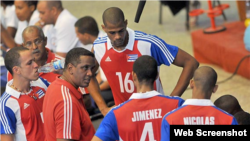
<point x="228" y="103"/>
<point x="205" y="79"/>
<point x="145" y="67"/>
<point x="88" y="25"/>
<point x="73" y="56"/>
<point x="113" y="15"/>
<point x="31" y="2"/>
<point x="56" y="3"/>
<point x="242" y="117"/>
<point x="12" y="58"/>
<point x="8" y="2"/>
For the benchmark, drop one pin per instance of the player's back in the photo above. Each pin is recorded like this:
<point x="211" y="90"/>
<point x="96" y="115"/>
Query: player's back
<point x="199" y="115"/>
<point x="140" y="119"/>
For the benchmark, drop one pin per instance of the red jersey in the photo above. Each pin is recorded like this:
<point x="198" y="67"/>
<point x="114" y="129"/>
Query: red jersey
<point x="118" y="65"/>
<point x="139" y="118"/>
<point x="195" y="112"/>
<point x="21" y="114"/>
<point x="64" y="114"/>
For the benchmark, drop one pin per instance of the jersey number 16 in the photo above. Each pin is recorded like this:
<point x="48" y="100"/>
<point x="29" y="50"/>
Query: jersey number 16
<point x="124" y="83"/>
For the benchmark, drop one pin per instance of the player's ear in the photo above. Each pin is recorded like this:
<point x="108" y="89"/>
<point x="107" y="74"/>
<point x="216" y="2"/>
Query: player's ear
<point x="215" y="88"/>
<point x="70" y="68"/>
<point x="191" y="83"/>
<point x="126" y="22"/>
<point x="103" y="28"/>
<point x="134" y="76"/>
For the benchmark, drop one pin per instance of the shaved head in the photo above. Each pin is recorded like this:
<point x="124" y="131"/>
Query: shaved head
<point x="205" y="79"/>
<point x="113" y="15"/>
<point x="50" y="4"/>
<point x="228" y="103"/>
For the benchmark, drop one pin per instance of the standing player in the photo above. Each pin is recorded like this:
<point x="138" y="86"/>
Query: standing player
<point x="199" y="110"/>
<point x="65" y="117"/>
<point x="140" y="117"/>
<point x="117" y="52"/>
<point x="21" y="104"/>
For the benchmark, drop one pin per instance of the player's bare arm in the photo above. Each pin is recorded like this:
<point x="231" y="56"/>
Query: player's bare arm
<point x="94" y="91"/>
<point x="7" y="137"/>
<point x="95" y="138"/>
<point x="189" y="65"/>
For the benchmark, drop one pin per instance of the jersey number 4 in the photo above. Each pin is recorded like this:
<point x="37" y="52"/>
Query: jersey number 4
<point x="148" y="130"/>
<point x="125" y="83"/>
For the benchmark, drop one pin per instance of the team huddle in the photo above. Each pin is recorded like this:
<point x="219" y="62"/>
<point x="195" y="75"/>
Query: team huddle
<point x="49" y="106"/>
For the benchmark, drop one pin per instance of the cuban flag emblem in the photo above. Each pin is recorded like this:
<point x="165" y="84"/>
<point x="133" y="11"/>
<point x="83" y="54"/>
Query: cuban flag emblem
<point x="40" y="93"/>
<point x="132" y="57"/>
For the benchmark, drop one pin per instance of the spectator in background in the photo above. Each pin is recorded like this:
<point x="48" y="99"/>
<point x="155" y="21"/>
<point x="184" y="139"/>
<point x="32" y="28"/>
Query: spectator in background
<point x="87" y="31"/>
<point x="27" y="15"/>
<point x="21" y="104"/>
<point x="65" y="116"/>
<point x="140" y="117"/>
<point x="8" y="20"/>
<point x="228" y="103"/>
<point x="9" y="23"/>
<point x="199" y="110"/>
<point x="61" y="36"/>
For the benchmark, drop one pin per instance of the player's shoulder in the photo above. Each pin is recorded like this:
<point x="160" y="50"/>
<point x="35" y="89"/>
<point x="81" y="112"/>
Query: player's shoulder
<point x="222" y="112"/>
<point x="4" y="98"/>
<point x="100" y="40"/>
<point x="139" y="35"/>
<point x="40" y="82"/>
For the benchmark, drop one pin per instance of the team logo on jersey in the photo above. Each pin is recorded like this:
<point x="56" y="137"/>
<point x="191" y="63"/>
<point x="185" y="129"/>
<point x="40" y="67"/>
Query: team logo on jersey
<point x="108" y="59"/>
<point x="26" y="105"/>
<point x="40" y="93"/>
<point x="132" y="57"/>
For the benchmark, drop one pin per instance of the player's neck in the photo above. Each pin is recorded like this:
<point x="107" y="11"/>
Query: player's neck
<point x="199" y="94"/>
<point x="21" y="86"/>
<point x="66" y="77"/>
<point x="144" y="88"/>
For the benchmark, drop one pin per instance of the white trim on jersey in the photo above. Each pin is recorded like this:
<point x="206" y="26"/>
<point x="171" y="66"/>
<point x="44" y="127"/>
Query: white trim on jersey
<point x="3" y="117"/>
<point x="20" y="133"/>
<point x="67" y="112"/>
<point x="144" y="95"/>
<point x="159" y="44"/>
<point x="198" y="102"/>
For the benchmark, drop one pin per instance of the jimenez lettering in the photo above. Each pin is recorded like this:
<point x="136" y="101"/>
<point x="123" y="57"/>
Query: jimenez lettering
<point x="199" y="132"/>
<point x="146" y="115"/>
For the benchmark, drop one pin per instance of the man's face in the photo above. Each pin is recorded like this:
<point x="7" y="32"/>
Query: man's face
<point x="23" y="11"/>
<point x="84" y="38"/>
<point x="45" y="14"/>
<point x="35" y="43"/>
<point x="28" y="68"/>
<point x="82" y="73"/>
<point x="116" y="33"/>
